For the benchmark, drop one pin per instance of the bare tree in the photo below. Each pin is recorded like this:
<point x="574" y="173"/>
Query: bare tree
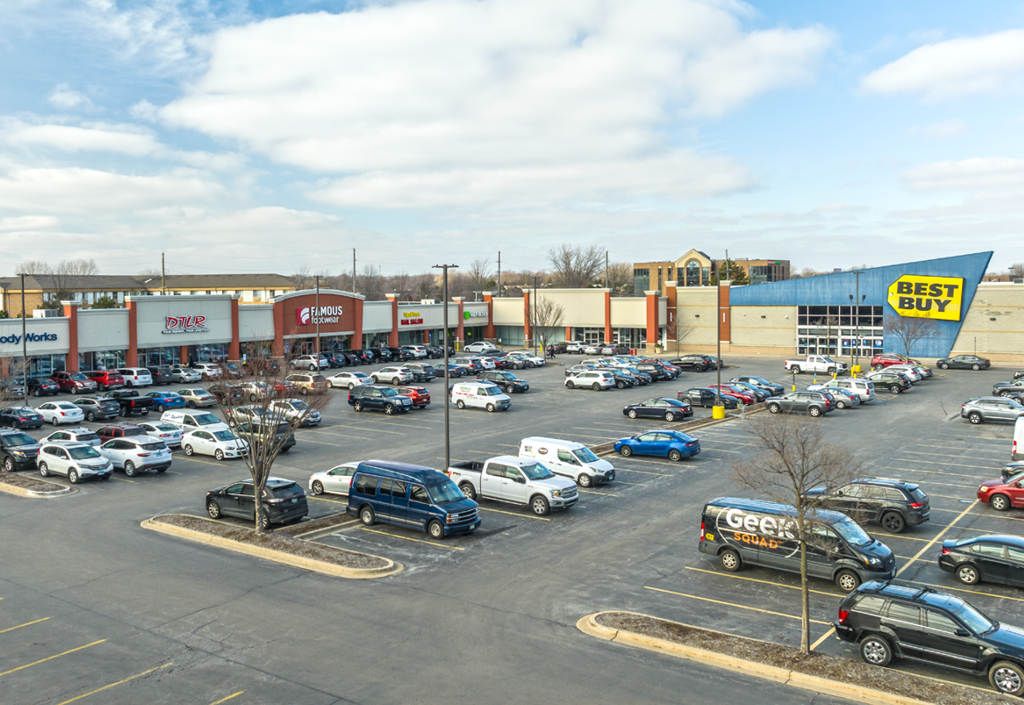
<point x="620" y="278"/>
<point x="480" y="276"/>
<point x="545" y="319"/>
<point x="13" y="388"/>
<point x="264" y="413"/>
<point x="910" y="330"/>
<point x="60" y="281"/>
<point x="1017" y="271"/>
<point x="424" y="286"/>
<point x="576" y="267"/>
<point x="303" y="277"/>
<point x="372" y="284"/>
<point x="793" y="456"/>
<point x="682" y="330"/>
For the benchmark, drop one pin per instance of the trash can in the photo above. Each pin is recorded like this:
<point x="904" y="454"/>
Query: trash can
<point x="718" y="412"/>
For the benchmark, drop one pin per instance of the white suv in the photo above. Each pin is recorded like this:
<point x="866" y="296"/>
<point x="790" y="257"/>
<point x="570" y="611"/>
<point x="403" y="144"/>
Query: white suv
<point x="310" y="362"/>
<point x="74" y="435"/>
<point x="479" y="347"/>
<point x="77" y="461"/>
<point x="394" y="375"/>
<point x="163" y="431"/>
<point x="418" y="351"/>
<point x="593" y="379"/>
<point x="135" y="454"/>
<point x="207" y="370"/>
<point x="136" y="376"/>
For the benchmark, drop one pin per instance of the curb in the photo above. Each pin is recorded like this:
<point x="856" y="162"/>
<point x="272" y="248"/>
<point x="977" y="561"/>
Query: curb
<point x="36" y="494"/>
<point x="288" y="559"/>
<point x="588" y="625"/>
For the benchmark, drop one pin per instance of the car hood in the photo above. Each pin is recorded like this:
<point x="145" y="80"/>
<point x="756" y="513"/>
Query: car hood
<point x="876" y="549"/>
<point x="814" y="492"/>
<point x="28" y="448"/>
<point x="993" y="483"/>
<point x="1008" y="637"/>
<point x="554" y="483"/>
<point x="600" y="465"/>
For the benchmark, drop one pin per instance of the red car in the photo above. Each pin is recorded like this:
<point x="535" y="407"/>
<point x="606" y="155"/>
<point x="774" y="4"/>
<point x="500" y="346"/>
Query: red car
<point x="74" y="382"/>
<point x="420" y="396"/>
<point x="728" y="391"/>
<point x="1003" y="494"/>
<point x="880" y="362"/>
<point x="106" y="379"/>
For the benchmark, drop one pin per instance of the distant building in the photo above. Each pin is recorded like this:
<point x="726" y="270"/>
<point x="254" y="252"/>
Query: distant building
<point x="695" y="268"/>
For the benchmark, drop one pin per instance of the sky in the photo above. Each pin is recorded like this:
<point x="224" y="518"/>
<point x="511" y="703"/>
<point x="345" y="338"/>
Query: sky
<point x="265" y="136"/>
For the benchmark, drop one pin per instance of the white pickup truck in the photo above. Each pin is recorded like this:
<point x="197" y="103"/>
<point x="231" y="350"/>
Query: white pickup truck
<point x="816" y="363"/>
<point x="507" y="478"/>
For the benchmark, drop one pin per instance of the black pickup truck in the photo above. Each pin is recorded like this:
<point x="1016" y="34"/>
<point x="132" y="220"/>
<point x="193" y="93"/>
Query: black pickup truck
<point x="131" y="401"/>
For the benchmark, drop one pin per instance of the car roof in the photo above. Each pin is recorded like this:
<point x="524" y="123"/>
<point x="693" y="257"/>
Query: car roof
<point x="1002" y="539"/>
<point x="887" y="482"/>
<point x="763" y="505"/>
<point x="914" y="593"/>
<point x="392" y="468"/>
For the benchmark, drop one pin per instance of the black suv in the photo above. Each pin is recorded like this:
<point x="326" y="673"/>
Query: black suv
<point x="655" y="372"/>
<point x="895" y="504"/>
<point x="697" y="363"/>
<point x="890" y="381"/>
<point x="421" y="372"/>
<point x="283" y="501"/>
<point x="18" y="450"/>
<point x="378" y="397"/>
<point x="893" y="620"/>
<point x="506" y="380"/>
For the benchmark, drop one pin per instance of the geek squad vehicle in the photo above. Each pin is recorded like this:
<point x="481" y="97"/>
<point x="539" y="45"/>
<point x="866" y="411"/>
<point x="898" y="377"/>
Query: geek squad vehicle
<point x="412" y="496"/>
<point x="506" y="478"/>
<point x="568" y="458"/>
<point x="480" y="395"/>
<point x="762" y="533"/>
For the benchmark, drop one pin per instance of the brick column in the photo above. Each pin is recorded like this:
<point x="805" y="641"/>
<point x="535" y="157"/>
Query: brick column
<point x="183" y="355"/>
<point x="426" y="336"/>
<point x="652" y="319"/>
<point x="527" y="332"/>
<point x="489" y="330"/>
<point x="393" y="335"/>
<point x="568" y="334"/>
<point x="460" y="330"/>
<point x="673" y="312"/>
<point x="277" y="347"/>
<point x="357" y="329"/>
<point x="235" y="346"/>
<point x="608" y="337"/>
<point x="71" y="313"/>
<point x="132" y="358"/>
<point x="725" y="310"/>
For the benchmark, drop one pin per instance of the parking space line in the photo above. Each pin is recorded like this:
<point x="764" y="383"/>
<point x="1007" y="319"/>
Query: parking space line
<point x="224" y="700"/>
<point x="901" y="536"/>
<point x="946" y="496"/>
<point x="973" y="592"/>
<point x="26" y="624"/>
<point x="934" y="462"/>
<point x="937" y="537"/>
<point x="939" y="472"/>
<point x="340" y="435"/>
<point x="407" y="538"/>
<point x="505" y="445"/>
<point x="324" y="499"/>
<point x="634" y="484"/>
<point x="930" y="472"/>
<point x="603" y="494"/>
<point x="502" y="511"/>
<point x="766" y="582"/>
<point x="732" y="604"/>
<point x="50" y="658"/>
<point x="100" y="690"/>
<point x="826" y="635"/>
<point x="645" y="472"/>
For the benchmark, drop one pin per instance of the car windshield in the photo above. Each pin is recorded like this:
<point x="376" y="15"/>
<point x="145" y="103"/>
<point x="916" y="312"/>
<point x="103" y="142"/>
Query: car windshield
<point x="585" y="455"/>
<point x="853" y="534"/>
<point x="13" y="440"/>
<point x="195" y="392"/>
<point x="206" y="419"/>
<point x="83" y="453"/>
<point x="536" y="471"/>
<point x="445" y="492"/>
<point x="385" y="391"/>
<point x="65" y="405"/>
<point x="493" y="391"/>
<point x="224" y="436"/>
<point x="299" y="405"/>
<point x="975" y="620"/>
<point x="88" y="437"/>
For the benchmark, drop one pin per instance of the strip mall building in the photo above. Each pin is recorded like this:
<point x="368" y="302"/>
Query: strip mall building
<point x="839" y="314"/>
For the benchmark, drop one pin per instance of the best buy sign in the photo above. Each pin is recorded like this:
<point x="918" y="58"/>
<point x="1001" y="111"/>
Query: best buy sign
<point x="927" y="297"/>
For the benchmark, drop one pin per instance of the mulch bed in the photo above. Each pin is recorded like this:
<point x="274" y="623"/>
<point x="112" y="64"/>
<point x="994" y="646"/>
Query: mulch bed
<point x="823" y="665"/>
<point x="276" y="541"/>
<point x="29" y="482"/>
<point x="306" y="527"/>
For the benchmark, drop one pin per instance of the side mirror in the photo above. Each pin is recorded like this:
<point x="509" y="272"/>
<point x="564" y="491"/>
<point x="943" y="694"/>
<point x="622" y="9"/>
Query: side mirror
<point x="839" y="493"/>
<point x="960" y="631"/>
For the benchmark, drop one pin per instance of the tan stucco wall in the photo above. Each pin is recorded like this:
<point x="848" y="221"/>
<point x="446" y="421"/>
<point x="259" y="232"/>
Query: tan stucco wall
<point x="1001" y="340"/>
<point x="696" y="306"/>
<point x="764" y="328"/>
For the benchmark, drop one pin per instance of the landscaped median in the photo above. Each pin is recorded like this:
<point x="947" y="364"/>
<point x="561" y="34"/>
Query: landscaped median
<point x="284" y="546"/>
<point x="32" y="487"/>
<point x="691" y="425"/>
<point x="820" y="673"/>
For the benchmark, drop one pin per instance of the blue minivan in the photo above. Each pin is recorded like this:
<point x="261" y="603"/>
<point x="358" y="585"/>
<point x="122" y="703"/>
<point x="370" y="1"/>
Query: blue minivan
<point x="411" y="495"/>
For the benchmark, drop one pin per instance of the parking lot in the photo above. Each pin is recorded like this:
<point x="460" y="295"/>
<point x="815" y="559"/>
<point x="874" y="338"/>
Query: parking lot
<point x="91" y="601"/>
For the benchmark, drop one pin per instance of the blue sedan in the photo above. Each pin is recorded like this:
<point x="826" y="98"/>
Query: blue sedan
<point x="674" y="445"/>
<point x="166" y="400"/>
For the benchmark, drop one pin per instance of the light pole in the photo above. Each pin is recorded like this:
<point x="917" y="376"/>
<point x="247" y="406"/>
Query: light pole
<point x="444" y="344"/>
<point x="533" y="319"/>
<point x="24" y="342"/>
<point x="316" y="314"/>
<point x="855" y="318"/>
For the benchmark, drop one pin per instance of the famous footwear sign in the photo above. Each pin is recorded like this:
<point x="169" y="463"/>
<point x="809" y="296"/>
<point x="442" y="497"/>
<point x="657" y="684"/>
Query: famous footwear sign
<point x="918" y="296"/>
<point x="313" y="315"/>
<point x="185" y="324"/>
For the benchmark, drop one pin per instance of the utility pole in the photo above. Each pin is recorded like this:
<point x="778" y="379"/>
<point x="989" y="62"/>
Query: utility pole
<point x="316" y="317"/>
<point x="354" y="270"/>
<point x="855" y="319"/>
<point x="606" y="284"/>
<point x="533" y="318"/>
<point x="499" y="273"/>
<point x="447" y="372"/>
<point x="24" y="341"/>
<point x="163" y="275"/>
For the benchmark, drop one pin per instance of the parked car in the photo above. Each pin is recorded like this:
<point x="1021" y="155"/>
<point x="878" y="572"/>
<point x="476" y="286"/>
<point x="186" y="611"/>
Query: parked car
<point x="98" y="407"/>
<point x="60" y="412"/>
<point x="506" y="380"/>
<point x="230" y="371"/>
<point x="568" y="458"/>
<point x="912" y="372"/>
<point x="221" y="443"/>
<point x="990" y="409"/>
<point x="574" y="346"/>
<point x="74" y="435"/>
<point x="480" y="395"/>
<point x="312" y="363"/>
<point x="992" y="558"/>
<point x="307" y="383"/>
<point x="197" y="397"/>
<point x="21" y="417"/>
<point x="863" y="388"/>
<point x="773" y="388"/>
<point x="420" y="371"/>
<point x="162" y="430"/>
<point x="964" y="362"/>
<point x="813" y="403"/>
<point x="760" y="393"/>
<point x="454" y="371"/>
<point x="889" y="381"/>
<point x="296" y="410"/>
<point x="12" y="387"/>
<point x="106" y="379"/>
<point x="161" y="374"/>
<point x="136" y="376"/>
<point x="884" y="360"/>
<point x="335" y="359"/>
<point x="377" y="398"/>
<point x="119" y="430"/>
<point x="283" y="501"/>
<point x="135" y="454"/>
<point x="704" y="396"/>
<point x="480" y="347"/>
<point x="895" y="504"/>
<point x="76" y="461"/>
<point x="591" y="379"/>
<point x="1007" y="389"/>
<point x="73" y="382"/>
<point x="194" y="420"/>
<point x="889" y="621"/>
<point x="208" y="370"/>
<point x="164" y="400"/>
<point x="419" y="352"/>
<point x="512" y="480"/>
<point x="1004" y="493"/>
<point x="42" y="387"/>
<point x="257" y="430"/>
<point x="18" y="450"/>
<point x="131" y="401"/>
<point x="392" y="375"/>
<point x="695" y="362"/>
<point x="659" y="408"/>
<point x="674" y="445"/>
<point x="821" y="364"/>
<point x="185" y="375"/>
<point x="745" y="398"/>
<point x="349" y="380"/>
<point x="420" y="396"/>
<point x="655" y="372"/>
<point x="337" y="480"/>
<point x="241" y="414"/>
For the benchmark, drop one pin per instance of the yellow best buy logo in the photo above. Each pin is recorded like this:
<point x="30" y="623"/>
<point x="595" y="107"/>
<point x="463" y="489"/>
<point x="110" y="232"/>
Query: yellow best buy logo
<point x="927" y="297"/>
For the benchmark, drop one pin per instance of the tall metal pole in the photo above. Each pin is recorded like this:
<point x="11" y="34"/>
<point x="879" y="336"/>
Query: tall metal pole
<point x="163" y="275"/>
<point x="718" y="357"/>
<point x="533" y="318"/>
<point x="24" y="341"/>
<point x="316" y="317"/>
<point x="856" y="351"/>
<point x="447" y="391"/>
<point x="499" y="273"/>
<point x="354" y="270"/>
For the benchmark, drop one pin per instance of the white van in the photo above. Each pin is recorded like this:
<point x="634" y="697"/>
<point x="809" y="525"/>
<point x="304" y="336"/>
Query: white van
<point x="568" y="458"/>
<point x="482" y="395"/>
<point x="193" y="420"/>
<point x="1017" y="452"/>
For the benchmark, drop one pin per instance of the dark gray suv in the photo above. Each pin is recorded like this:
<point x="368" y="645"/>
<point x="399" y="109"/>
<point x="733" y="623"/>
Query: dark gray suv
<point x="813" y="403"/>
<point x="895" y="504"/>
<point x="988" y="409"/>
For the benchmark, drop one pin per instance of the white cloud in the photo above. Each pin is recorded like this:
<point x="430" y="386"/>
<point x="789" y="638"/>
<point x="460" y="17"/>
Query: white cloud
<point x="445" y="101"/>
<point x="981" y="173"/>
<point x="29" y="222"/>
<point x="954" y="68"/>
<point x="123" y="139"/>
<point x="941" y="130"/>
<point x="64" y="98"/>
<point x="160" y="28"/>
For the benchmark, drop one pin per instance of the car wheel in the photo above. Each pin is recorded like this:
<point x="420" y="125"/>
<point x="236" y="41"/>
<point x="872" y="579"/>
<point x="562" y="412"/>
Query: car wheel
<point x="318" y="487"/>
<point x="43" y="470"/>
<point x="795" y="369"/>
<point x="974" y="417"/>
<point x="620" y="384"/>
<point x="367" y="516"/>
<point x="389" y="409"/>
<point x="1007" y="677"/>
<point x="774" y="408"/>
<point x="731" y="560"/>
<point x="213" y="509"/>
<point x="374" y="378"/>
<point x="570" y="384"/>
<point x="674" y="455"/>
<point x="847" y="580"/>
<point x="73" y="476"/>
<point x="218" y="454"/>
<point x="840" y="404"/>
<point x="190" y="404"/>
<point x="669" y="416"/>
<point x="968" y="574"/>
<point x="540" y="506"/>
<point x="264" y="519"/>
<point x="53" y="420"/>
<point x="9" y="464"/>
<point x="876" y="368"/>
<point x="631" y="414"/>
<point x="358" y="406"/>
<point x="490" y="407"/>
<point x="975" y="367"/>
<point x="467" y="490"/>
<point x="36" y="393"/>
<point x="188" y="449"/>
<point x="312" y="368"/>
<point x="1000" y="502"/>
<point x="129" y="469"/>
<point x="894" y="523"/>
<point x="625" y="451"/>
<point x="90" y="417"/>
<point x="943" y="366"/>
<point x="435" y="529"/>
<point x="1004" y="394"/>
<point x="814" y="411"/>
<point x="894" y="389"/>
<point x="461" y="404"/>
<point x="128" y="383"/>
<point x="584" y="480"/>
<point x="876" y="650"/>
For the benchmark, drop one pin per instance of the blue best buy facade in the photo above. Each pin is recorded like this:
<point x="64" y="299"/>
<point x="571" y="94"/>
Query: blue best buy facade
<point x="831" y="321"/>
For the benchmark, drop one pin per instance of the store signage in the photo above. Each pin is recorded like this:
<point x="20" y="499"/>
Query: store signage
<point x="312" y="315"/>
<point x="474" y="314"/>
<point x="412" y="314"/>
<point x="185" y="324"/>
<point x="14" y="339"/>
<point x="411" y="321"/>
<point x="916" y="296"/>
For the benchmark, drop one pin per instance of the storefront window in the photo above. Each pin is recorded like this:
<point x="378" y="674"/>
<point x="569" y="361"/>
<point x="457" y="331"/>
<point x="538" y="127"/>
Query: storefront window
<point x="839" y="330"/>
<point x="103" y="360"/>
<point x="45" y="365"/>
<point x="210" y="352"/>
<point x="511" y="335"/>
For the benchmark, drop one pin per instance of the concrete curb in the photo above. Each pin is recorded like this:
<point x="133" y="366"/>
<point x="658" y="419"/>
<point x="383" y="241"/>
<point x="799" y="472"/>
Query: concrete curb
<point x="35" y="494"/>
<point x="588" y="625"/>
<point x="288" y="559"/>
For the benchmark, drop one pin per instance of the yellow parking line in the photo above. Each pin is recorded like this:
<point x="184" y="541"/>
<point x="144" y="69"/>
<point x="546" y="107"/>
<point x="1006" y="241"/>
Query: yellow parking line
<point x="766" y="582"/>
<point x="603" y="494"/>
<point x="224" y="700"/>
<point x="129" y="678"/>
<point x="937" y="537"/>
<point x="121" y="479"/>
<point x="26" y="624"/>
<point x="732" y="604"/>
<point x="525" y="516"/>
<point x="901" y="536"/>
<point x="396" y="536"/>
<point x="826" y="635"/>
<point x="634" y="484"/>
<point x="324" y="499"/>
<point x="50" y="658"/>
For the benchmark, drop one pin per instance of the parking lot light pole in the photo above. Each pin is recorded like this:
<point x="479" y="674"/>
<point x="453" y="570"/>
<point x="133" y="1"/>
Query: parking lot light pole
<point x="24" y="343"/>
<point x="444" y="346"/>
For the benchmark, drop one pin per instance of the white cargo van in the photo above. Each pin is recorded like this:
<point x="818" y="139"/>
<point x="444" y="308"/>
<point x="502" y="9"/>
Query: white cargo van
<point x="1017" y="451"/>
<point x="194" y="420"/>
<point x="481" y="395"/>
<point x="568" y="458"/>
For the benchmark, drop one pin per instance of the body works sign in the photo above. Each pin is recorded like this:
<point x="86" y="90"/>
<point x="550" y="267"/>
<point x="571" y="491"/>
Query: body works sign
<point x="917" y="296"/>
<point x="185" y="324"/>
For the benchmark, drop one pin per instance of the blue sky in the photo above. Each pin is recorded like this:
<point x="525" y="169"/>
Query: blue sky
<point x="264" y="136"/>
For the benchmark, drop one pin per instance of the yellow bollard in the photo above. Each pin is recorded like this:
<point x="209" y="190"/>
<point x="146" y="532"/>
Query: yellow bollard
<point x="718" y="412"/>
